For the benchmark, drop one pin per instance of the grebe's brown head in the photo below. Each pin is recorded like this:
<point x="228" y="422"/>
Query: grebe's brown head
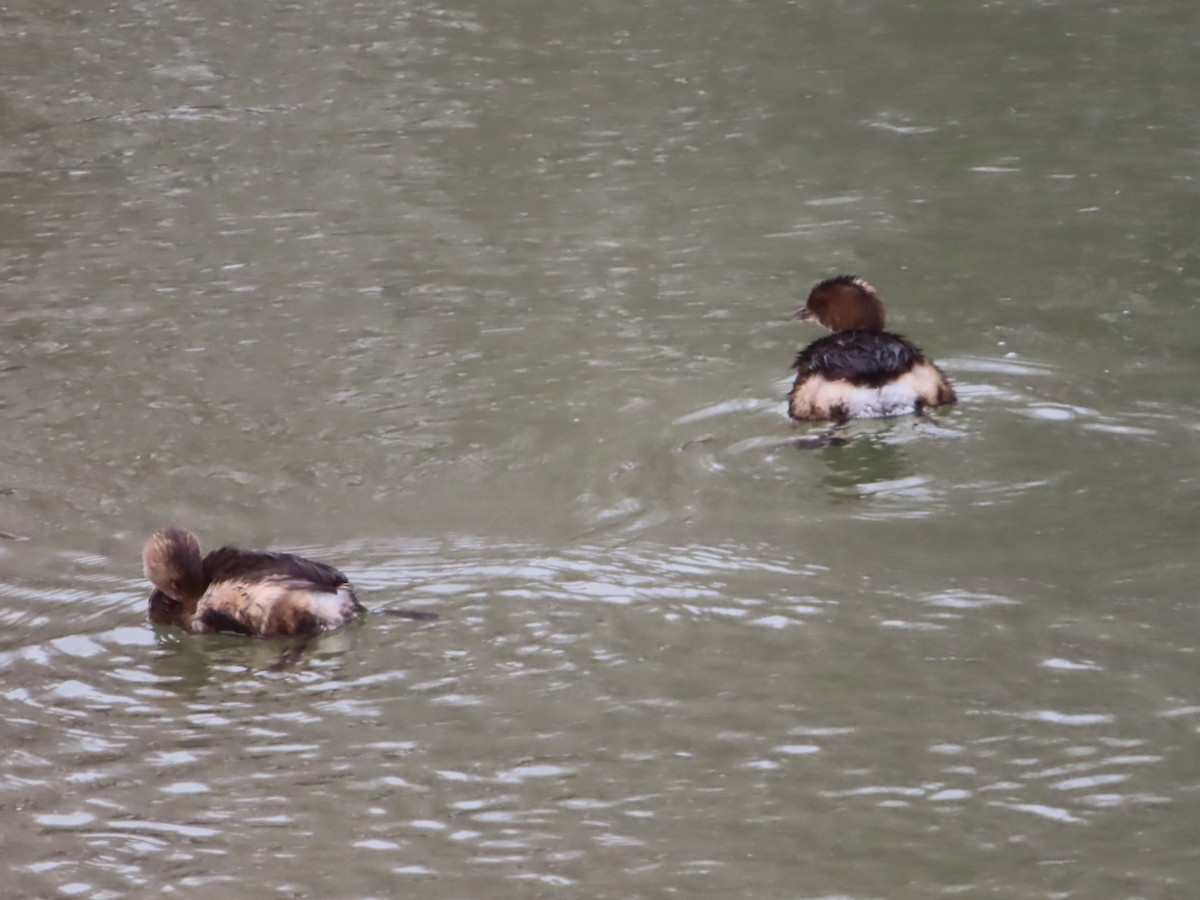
<point x="171" y="561"/>
<point x="844" y="303"/>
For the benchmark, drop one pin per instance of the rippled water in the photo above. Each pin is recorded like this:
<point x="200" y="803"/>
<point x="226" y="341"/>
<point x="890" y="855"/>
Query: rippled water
<point x="488" y="305"/>
<point x="630" y="717"/>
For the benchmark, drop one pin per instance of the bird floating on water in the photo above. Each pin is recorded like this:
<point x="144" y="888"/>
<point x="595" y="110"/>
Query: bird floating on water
<point x="860" y="371"/>
<point x="247" y="592"/>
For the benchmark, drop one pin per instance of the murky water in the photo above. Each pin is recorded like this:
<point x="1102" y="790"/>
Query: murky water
<point x="488" y="305"/>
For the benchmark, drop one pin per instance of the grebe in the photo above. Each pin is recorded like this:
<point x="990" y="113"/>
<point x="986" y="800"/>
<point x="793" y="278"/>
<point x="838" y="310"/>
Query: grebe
<point x="243" y="591"/>
<point x="860" y="371"/>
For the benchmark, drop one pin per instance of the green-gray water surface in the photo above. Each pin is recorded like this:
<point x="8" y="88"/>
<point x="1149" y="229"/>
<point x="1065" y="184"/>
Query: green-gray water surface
<point x="488" y="304"/>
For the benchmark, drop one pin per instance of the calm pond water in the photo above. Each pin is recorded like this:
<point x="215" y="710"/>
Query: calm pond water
<point x="488" y="304"/>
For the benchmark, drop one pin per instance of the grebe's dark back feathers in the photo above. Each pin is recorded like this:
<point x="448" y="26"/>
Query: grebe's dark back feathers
<point x="861" y="357"/>
<point x="231" y="564"/>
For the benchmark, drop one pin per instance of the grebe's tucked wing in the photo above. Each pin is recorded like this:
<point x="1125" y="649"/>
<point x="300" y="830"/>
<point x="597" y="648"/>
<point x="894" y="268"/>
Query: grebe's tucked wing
<point x="861" y="357"/>
<point x="232" y="564"/>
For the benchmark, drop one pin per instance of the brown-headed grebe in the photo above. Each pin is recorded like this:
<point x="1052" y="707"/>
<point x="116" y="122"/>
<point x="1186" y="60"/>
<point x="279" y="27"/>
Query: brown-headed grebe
<point x="860" y="371"/>
<point x="243" y="591"/>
